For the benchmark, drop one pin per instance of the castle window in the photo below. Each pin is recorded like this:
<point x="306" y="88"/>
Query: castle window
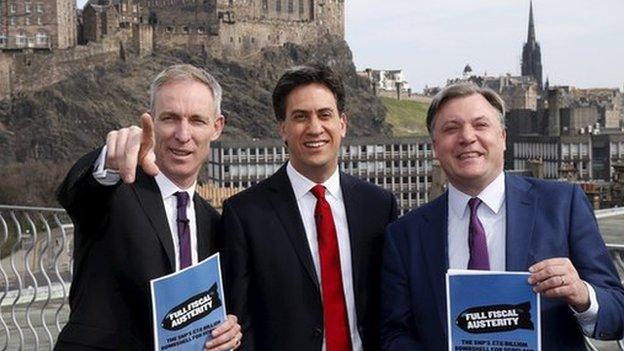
<point x="201" y="30"/>
<point x="42" y="38"/>
<point x="27" y="7"/>
<point x="253" y="40"/>
<point x="39" y="7"/>
<point x="265" y="5"/>
<point x="301" y="7"/>
<point x="185" y="29"/>
<point x="291" y="8"/>
<point x="169" y="29"/>
<point x="39" y="21"/>
<point x="231" y="40"/>
<point x="278" y="6"/>
<point x="21" y="39"/>
<point x="12" y="8"/>
<point x="124" y="8"/>
<point x="3" y="39"/>
<point x="12" y="21"/>
<point x="27" y="21"/>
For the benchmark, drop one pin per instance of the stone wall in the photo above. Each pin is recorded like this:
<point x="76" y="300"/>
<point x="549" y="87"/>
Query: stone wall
<point x="5" y="75"/>
<point x="142" y="39"/>
<point x="241" y="39"/>
<point x="32" y="71"/>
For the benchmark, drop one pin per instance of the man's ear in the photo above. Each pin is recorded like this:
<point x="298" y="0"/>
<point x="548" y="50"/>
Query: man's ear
<point x="344" y="121"/>
<point x="218" y="124"/>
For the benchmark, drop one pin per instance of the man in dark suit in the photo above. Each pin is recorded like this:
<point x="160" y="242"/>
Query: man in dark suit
<point x="129" y="233"/>
<point x="303" y="247"/>
<point x="491" y="220"/>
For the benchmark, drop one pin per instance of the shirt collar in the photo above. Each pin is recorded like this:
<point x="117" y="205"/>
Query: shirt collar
<point x="168" y="188"/>
<point x="302" y="185"/>
<point x="492" y="196"/>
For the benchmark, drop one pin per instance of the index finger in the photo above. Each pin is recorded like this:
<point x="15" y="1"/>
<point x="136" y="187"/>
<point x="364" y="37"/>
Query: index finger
<point x="548" y="262"/>
<point x="147" y="157"/>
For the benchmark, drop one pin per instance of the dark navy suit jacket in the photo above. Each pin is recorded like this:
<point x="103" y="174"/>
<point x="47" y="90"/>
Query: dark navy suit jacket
<point x="544" y="220"/>
<point x="270" y="279"/>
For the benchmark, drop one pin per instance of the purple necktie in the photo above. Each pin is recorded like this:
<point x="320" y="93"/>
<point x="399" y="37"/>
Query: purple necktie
<point x="476" y="239"/>
<point x="184" y="232"/>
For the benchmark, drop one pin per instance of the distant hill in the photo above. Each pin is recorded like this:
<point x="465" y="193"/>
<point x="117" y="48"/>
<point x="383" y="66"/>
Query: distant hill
<point x="408" y="117"/>
<point x="56" y="125"/>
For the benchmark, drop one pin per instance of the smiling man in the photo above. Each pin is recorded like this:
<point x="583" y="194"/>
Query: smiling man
<point x="490" y="220"/>
<point x="302" y="248"/>
<point x="151" y="224"/>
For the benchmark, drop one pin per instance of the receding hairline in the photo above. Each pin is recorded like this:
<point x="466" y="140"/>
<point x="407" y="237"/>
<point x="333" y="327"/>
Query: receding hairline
<point x="186" y="72"/>
<point x="464" y="90"/>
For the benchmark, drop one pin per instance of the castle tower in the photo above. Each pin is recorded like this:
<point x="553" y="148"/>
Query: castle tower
<point x="330" y="15"/>
<point x="531" y="53"/>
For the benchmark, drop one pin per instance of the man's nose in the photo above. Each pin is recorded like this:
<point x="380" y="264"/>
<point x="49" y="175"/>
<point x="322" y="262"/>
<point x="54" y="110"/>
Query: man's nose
<point x="315" y="126"/>
<point x="468" y="134"/>
<point x="183" y="131"/>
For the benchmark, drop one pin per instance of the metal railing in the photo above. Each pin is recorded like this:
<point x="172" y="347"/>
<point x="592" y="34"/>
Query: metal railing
<point x="35" y="272"/>
<point x="35" y="275"/>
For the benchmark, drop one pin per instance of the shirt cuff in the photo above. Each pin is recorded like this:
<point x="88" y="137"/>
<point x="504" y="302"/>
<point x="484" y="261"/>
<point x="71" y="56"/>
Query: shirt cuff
<point x="587" y="319"/>
<point x="102" y="175"/>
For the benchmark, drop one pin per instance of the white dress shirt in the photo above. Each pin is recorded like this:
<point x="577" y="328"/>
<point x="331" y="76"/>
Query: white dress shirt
<point x="167" y="189"/>
<point x="306" y="202"/>
<point x="492" y="213"/>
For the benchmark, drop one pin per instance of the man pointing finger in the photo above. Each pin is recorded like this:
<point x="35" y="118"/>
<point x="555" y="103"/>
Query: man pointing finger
<point x="126" y="233"/>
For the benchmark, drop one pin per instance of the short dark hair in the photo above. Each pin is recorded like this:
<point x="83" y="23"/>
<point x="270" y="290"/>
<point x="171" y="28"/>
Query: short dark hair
<point x="304" y="75"/>
<point x="462" y="90"/>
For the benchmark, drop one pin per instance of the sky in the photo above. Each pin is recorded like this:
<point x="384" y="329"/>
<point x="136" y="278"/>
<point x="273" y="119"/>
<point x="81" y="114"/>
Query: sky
<point x="582" y="41"/>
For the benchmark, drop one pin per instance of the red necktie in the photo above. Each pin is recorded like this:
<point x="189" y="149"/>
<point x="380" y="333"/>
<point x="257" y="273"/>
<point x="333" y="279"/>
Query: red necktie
<point x="337" y="335"/>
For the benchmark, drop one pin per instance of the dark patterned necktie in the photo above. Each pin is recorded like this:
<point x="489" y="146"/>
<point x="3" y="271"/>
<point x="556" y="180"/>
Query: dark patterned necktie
<point x="184" y="232"/>
<point x="476" y="239"/>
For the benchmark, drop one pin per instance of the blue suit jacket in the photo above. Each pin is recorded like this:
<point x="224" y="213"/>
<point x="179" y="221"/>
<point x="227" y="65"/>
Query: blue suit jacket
<point x="544" y="220"/>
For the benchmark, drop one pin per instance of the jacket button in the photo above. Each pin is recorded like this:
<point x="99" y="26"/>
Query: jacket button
<point x="317" y="332"/>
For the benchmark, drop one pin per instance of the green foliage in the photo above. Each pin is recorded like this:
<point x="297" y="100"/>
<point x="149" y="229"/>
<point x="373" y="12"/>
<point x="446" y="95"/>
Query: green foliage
<point x="408" y="118"/>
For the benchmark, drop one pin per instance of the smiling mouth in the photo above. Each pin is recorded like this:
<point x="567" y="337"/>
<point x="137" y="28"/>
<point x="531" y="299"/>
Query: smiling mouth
<point x="469" y="155"/>
<point x="182" y="153"/>
<point x="315" y="144"/>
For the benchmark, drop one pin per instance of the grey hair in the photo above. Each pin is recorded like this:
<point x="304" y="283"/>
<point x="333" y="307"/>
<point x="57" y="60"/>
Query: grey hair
<point x="187" y="72"/>
<point x="462" y="90"/>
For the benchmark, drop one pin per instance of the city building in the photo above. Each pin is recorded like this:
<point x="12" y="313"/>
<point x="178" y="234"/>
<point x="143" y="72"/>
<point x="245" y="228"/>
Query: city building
<point x="401" y="165"/>
<point x="583" y="157"/>
<point x="386" y="80"/>
<point x="38" y="24"/>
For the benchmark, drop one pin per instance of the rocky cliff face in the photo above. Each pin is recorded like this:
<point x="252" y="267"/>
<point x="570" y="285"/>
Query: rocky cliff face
<point x="69" y="118"/>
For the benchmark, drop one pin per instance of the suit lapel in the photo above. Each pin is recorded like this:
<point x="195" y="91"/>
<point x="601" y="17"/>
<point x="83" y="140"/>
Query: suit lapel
<point x="283" y="201"/>
<point x="521" y="211"/>
<point x="354" y="213"/>
<point x="436" y="253"/>
<point x="205" y="237"/>
<point x="150" y="199"/>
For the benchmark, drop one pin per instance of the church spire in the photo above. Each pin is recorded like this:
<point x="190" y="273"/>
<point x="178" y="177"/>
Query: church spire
<point x="531" y="35"/>
<point x="531" y="53"/>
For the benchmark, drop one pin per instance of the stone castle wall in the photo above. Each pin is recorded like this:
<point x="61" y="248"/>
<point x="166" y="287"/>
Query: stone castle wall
<point x="33" y="70"/>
